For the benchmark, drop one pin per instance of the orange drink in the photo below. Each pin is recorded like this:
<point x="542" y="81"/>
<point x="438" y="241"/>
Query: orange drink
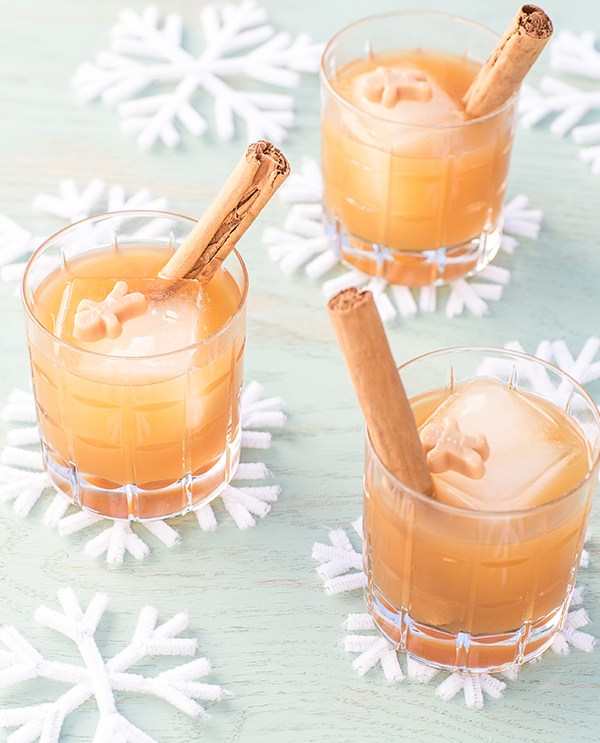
<point x="413" y="189"/>
<point x="480" y="576"/>
<point x="146" y="424"/>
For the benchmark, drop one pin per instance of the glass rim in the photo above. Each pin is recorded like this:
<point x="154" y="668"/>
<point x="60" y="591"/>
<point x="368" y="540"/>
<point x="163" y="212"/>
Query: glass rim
<point x="129" y="213"/>
<point x="423" y="13"/>
<point x="459" y="510"/>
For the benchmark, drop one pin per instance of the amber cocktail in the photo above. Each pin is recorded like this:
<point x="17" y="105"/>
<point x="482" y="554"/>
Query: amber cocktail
<point x="413" y="189"/>
<point x="480" y="576"/>
<point x="145" y="425"/>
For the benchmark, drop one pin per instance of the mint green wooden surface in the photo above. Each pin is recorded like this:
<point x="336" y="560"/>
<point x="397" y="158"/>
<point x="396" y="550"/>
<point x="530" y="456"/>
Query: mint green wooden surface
<point x="255" y="603"/>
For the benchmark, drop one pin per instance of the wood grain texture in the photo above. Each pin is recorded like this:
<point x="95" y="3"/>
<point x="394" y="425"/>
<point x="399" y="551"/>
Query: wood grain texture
<point x="254" y="601"/>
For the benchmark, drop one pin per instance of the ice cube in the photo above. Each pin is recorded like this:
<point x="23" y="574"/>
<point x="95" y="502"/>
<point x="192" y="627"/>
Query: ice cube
<point x="173" y="318"/>
<point x="536" y="452"/>
<point x="405" y="94"/>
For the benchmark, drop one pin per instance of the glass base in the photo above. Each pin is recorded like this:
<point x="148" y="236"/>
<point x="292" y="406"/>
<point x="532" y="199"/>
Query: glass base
<point x="463" y="651"/>
<point x="413" y="267"/>
<point x="130" y="502"/>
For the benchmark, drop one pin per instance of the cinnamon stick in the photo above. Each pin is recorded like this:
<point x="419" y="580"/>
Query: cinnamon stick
<point x="381" y="396"/>
<point x="502" y="73"/>
<point x="257" y="176"/>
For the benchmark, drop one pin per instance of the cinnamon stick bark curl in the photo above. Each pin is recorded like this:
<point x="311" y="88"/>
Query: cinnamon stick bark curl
<point x="257" y="176"/>
<point x="502" y="73"/>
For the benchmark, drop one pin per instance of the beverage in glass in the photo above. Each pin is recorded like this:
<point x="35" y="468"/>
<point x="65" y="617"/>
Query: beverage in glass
<point x="144" y="425"/>
<point x="413" y="189"/>
<point x="480" y="576"/>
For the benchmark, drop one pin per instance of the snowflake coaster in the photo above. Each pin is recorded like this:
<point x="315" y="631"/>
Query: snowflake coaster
<point x="585" y="368"/>
<point x="341" y="570"/>
<point x="239" y="45"/>
<point x="25" y="482"/>
<point x="70" y="205"/>
<point x="100" y="678"/>
<point x="566" y="103"/>
<point x="303" y="242"/>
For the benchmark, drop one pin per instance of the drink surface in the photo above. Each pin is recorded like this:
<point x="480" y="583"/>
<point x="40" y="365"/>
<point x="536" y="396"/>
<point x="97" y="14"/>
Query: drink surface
<point x="537" y="453"/>
<point x="154" y="411"/>
<point x="406" y="171"/>
<point x="409" y="86"/>
<point x="180" y="313"/>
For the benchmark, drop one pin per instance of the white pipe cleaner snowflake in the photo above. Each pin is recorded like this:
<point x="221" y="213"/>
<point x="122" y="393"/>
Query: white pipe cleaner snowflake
<point x="303" y="242"/>
<point x="25" y="482"/>
<point x="566" y="103"/>
<point x="239" y="44"/>
<point x="99" y="677"/>
<point x="70" y="205"/>
<point x="584" y="368"/>
<point x="341" y="570"/>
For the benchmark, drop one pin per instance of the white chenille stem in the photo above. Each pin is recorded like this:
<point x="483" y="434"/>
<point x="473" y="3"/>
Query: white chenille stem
<point x="339" y="539"/>
<point x="333" y="568"/>
<point x="508" y="245"/>
<point x="565" y="121"/>
<point x="492" y="686"/>
<point x="359" y="622"/>
<point x="516" y="204"/>
<point x="252" y="471"/>
<point x="26" y="500"/>
<point x="267" y="493"/>
<point x="344" y="281"/>
<point x="76" y="522"/>
<point x="56" y="510"/>
<point x="22" y="458"/>
<point x="391" y="666"/>
<point x="578" y="618"/>
<point x="256" y="439"/>
<point x="491" y="292"/>
<point x="427" y="299"/>
<point x="455" y="304"/>
<point x="206" y="519"/>
<point x="474" y="302"/>
<point x="405" y="301"/>
<point x="370" y="657"/>
<point x="323" y="552"/>
<point x="163" y="532"/>
<point x="344" y="583"/>
<point x="420" y="672"/>
<point x="252" y="393"/>
<point x="587" y="134"/>
<point x="577" y="596"/>
<point x="497" y="274"/>
<point x="242" y="517"/>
